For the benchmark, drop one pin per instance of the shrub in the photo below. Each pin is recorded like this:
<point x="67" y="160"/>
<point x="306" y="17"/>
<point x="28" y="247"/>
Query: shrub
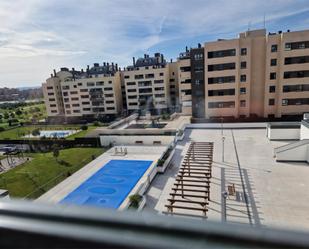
<point x="96" y="123"/>
<point x="84" y="127"/>
<point x="2" y="129"/>
<point x="35" y="132"/>
<point x="135" y="200"/>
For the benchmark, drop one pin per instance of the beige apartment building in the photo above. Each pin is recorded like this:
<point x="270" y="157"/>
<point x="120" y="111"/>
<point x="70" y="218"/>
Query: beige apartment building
<point x="92" y="93"/>
<point x="184" y="82"/>
<point x="257" y="75"/>
<point x="147" y="84"/>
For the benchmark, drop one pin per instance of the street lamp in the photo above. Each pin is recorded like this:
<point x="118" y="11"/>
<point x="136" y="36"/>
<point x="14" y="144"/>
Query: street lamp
<point x="223" y="138"/>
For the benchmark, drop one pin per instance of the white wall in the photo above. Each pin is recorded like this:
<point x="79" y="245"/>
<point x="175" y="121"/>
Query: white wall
<point x="300" y="153"/>
<point x="283" y="134"/>
<point x="304" y="132"/>
<point x="227" y="125"/>
<point x="130" y="140"/>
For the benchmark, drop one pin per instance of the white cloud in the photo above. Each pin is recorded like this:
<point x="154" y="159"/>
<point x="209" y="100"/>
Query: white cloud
<point x="72" y="33"/>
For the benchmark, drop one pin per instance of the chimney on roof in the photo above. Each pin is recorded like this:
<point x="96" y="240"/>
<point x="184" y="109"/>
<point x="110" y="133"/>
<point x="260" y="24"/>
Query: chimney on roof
<point x="145" y="56"/>
<point x="280" y="31"/>
<point x="186" y="48"/>
<point x="51" y="75"/>
<point x="171" y="60"/>
<point x="133" y="61"/>
<point x="55" y="72"/>
<point x="82" y="70"/>
<point x="87" y="67"/>
<point x="199" y="45"/>
<point x="113" y="68"/>
<point x="116" y="67"/>
<point x="288" y="30"/>
<point x="162" y="58"/>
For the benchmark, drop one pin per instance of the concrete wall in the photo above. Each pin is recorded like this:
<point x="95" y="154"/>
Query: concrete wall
<point x="225" y="125"/>
<point x="131" y="140"/>
<point x="283" y="134"/>
<point x="298" y="153"/>
<point x="304" y="132"/>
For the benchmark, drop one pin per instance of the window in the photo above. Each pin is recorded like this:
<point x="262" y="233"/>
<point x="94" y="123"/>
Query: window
<point x="198" y="57"/>
<point x="99" y="83"/>
<point x="221" y="92"/>
<point x="296" y="60"/>
<point x="109" y="95"/>
<point x="80" y="84"/>
<point x="109" y="102"/>
<point x="75" y="86"/>
<point x="297" y="45"/>
<point x="65" y="87"/>
<point x="131" y="90"/>
<point x="90" y="83"/>
<point x="161" y="74"/>
<point x="272" y="76"/>
<point x="242" y="90"/>
<point x="139" y="76"/>
<point x="110" y="108"/>
<point x="243" y="103"/>
<point x="199" y="82"/>
<point x="108" y="89"/>
<point x="272" y="89"/>
<point x="75" y="105"/>
<point x="296" y="88"/>
<point x="49" y="88"/>
<point x="127" y="76"/>
<point x="243" y="51"/>
<point x="65" y="93"/>
<point x="83" y="90"/>
<point x="271" y="102"/>
<point x="54" y="111"/>
<point x="73" y="92"/>
<point x="84" y="96"/>
<point x="221" y="53"/>
<point x="221" y="80"/>
<point x="67" y="106"/>
<point x="273" y="62"/>
<point x="296" y="74"/>
<point x="158" y="81"/>
<point x="50" y="94"/>
<point x="85" y="103"/>
<point x="274" y="48"/>
<point x="243" y="78"/>
<point x="76" y="111"/>
<point x="132" y="96"/>
<point x="52" y="99"/>
<point x="86" y="109"/>
<point x="298" y="101"/>
<point x="160" y="95"/>
<point x="74" y="99"/>
<point x="228" y="104"/>
<point x="133" y="83"/>
<point x="243" y="65"/>
<point x="220" y="67"/>
<point x="52" y="105"/>
<point x="150" y="75"/>
<point x="68" y="112"/>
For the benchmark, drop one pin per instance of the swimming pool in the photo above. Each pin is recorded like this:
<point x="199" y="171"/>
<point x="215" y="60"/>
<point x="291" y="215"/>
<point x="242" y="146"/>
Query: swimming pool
<point x="54" y="133"/>
<point x="110" y="185"/>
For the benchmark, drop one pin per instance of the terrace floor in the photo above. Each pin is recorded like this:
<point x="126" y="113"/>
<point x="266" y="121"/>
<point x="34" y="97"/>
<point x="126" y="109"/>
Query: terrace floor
<point x="276" y="193"/>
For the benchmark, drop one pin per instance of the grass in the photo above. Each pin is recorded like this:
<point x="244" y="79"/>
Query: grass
<point x="82" y="133"/>
<point x="43" y="172"/>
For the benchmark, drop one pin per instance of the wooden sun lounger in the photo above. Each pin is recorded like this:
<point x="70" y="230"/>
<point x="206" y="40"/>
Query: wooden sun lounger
<point x="202" y="203"/>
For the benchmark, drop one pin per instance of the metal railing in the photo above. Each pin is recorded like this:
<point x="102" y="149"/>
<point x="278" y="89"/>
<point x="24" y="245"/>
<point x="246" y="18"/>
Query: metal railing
<point x="25" y="224"/>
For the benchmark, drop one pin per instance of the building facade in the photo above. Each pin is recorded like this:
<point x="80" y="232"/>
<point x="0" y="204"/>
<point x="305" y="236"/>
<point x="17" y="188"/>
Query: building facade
<point x="93" y="93"/>
<point x="257" y="75"/>
<point x="147" y="85"/>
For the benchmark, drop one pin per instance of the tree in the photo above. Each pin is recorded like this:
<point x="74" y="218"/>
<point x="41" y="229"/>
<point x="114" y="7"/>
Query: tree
<point x="35" y="132"/>
<point x="6" y="115"/>
<point x="56" y="152"/>
<point x="84" y="127"/>
<point x="18" y="112"/>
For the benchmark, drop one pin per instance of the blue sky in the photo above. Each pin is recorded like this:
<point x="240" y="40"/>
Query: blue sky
<point x="37" y="36"/>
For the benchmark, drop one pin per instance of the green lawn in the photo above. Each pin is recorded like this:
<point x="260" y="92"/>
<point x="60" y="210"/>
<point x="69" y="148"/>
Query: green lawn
<point x="82" y="133"/>
<point x="43" y="172"/>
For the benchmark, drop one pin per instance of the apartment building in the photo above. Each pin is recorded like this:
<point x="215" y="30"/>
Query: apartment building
<point x="147" y="84"/>
<point x="93" y="93"/>
<point x="184" y="82"/>
<point x="257" y="75"/>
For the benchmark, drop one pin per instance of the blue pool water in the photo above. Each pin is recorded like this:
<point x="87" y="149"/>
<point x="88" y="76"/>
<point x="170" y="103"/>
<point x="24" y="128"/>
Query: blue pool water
<point x="110" y="185"/>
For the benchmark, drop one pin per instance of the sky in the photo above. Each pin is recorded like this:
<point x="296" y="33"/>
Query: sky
<point x="37" y="36"/>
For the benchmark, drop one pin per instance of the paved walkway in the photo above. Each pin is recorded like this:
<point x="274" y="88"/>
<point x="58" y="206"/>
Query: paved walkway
<point x="268" y="193"/>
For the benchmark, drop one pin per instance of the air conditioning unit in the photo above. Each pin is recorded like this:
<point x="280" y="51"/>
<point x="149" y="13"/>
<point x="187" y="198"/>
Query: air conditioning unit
<point x="306" y="116"/>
